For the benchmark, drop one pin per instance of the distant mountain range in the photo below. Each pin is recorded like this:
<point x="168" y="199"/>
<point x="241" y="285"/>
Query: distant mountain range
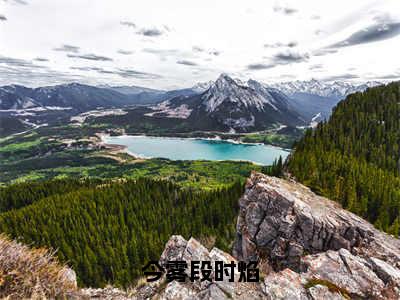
<point x="226" y="104"/>
<point x="82" y="97"/>
<point x="75" y="96"/>
<point x="315" y="98"/>
<point x="131" y="90"/>
<point x="334" y="90"/>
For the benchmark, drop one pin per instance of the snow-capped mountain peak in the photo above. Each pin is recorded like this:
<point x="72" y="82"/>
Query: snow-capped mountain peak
<point x="335" y="90"/>
<point x="226" y="89"/>
<point x="229" y="104"/>
<point x="202" y="86"/>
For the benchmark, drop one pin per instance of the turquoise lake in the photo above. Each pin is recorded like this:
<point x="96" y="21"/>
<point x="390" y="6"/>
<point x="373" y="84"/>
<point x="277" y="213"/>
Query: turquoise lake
<point x="195" y="149"/>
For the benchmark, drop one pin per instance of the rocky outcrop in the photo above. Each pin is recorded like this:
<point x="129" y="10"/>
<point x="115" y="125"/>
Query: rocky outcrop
<point x="328" y="275"/>
<point x="282" y="221"/>
<point x="286" y="224"/>
<point x="331" y="275"/>
<point x="177" y="248"/>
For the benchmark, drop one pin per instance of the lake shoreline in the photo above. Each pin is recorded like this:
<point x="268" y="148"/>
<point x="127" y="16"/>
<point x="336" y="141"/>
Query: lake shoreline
<point x="124" y="148"/>
<point x="215" y="138"/>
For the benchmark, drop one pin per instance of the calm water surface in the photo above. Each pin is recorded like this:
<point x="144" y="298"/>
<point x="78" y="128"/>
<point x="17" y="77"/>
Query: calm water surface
<point x="194" y="149"/>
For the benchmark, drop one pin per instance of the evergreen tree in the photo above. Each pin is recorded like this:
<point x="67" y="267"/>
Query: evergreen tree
<point x="108" y="231"/>
<point x="354" y="158"/>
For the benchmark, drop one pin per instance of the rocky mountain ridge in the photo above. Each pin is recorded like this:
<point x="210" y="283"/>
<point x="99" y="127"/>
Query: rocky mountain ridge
<point x="282" y="220"/>
<point x="335" y="90"/>
<point x="230" y="105"/>
<point x="78" y="97"/>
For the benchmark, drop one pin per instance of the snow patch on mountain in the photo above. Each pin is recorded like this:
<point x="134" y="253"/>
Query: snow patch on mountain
<point x="81" y="118"/>
<point x="336" y="89"/>
<point x="225" y="88"/>
<point x="240" y="122"/>
<point x="262" y="90"/>
<point x="164" y="109"/>
<point x="202" y="86"/>
<point x="315" y="120"/>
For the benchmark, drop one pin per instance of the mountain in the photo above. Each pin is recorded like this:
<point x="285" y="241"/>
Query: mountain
<point x="16" y="97"/>
<point x="22" y="107"/>
<point x="226" y="104"/>
<point x="306" y="246"/>
<point x="152" y="96"/>
<point x="230" y="105"/>
<point x="77" y="96"/>
<point x="139" y="95"/>
<point x="335" y="90"/>
<point x="10" y="125"/>
<point x="131" y="90"/>
<point x="202" y="86"/>
<point x="310" y="106"/>
<point x="82" y="97"/>
<point x="159" y="94"/>
<point x="354" y="157"/>
<point x="317" y="98"/>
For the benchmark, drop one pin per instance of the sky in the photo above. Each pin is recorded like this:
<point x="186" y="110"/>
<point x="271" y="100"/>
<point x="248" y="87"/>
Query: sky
<point x="175" y="43"/>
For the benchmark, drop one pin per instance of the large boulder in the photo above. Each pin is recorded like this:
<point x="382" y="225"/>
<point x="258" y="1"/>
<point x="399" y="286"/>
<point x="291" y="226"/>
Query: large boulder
<point x="177" y="248"/>
<point x="344" y="272"/>
<point x="282" y="221"/>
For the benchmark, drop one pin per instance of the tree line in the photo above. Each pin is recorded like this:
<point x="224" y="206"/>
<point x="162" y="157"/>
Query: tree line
<point x="108" y="231"/>
<point x="354" y="158"/>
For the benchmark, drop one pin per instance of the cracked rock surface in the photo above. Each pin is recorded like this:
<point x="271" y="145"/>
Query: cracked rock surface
<point x="326" y="275"/>
<point x="286" y="224"/>
<point x="283" y="221"/>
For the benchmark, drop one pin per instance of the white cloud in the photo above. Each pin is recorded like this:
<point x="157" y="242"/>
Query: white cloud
<point x="207" y="37"/>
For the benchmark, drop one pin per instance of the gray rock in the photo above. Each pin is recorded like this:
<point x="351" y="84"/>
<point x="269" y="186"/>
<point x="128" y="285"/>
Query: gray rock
<point x="321" y="292"/>
<point x="255" y="214"/>
<point x="193" y="250"/>
<point x="293" y="220"/>
<point x="178" y="291"/>
<point x="285" y="285"/>
<point x="214" y="292"/>
<point x="174" y="249"/>
<point x="385" y="271"/>
<point x="346" y="271"/>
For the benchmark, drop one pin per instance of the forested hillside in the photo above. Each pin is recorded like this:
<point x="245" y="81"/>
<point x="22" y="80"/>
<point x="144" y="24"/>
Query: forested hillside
<point x="107" y="231"/>
<point x="354" y="158"/>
